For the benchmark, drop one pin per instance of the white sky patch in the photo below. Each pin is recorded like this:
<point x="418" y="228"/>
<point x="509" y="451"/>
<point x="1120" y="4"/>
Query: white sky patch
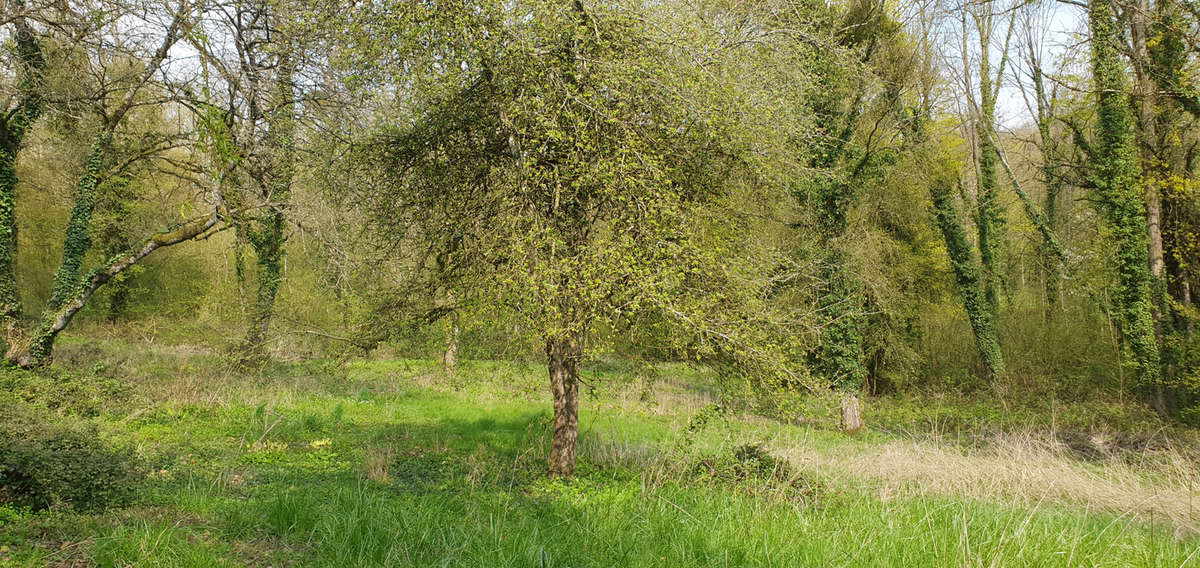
<point x="1057" y="31"/>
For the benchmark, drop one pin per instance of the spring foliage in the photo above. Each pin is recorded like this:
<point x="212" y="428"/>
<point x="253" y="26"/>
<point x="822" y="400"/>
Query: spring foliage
<point x="781" y="190"/>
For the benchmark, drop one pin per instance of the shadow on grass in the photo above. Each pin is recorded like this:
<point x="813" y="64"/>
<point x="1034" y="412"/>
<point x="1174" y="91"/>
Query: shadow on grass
<point x="456" y="491"/>
<point x="458" y="484"/>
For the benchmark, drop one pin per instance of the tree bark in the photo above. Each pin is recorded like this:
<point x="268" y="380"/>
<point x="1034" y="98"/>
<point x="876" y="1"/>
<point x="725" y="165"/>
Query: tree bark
<point x="563" y="355"/>
<point x="268" y="247"/>
<point x="1185" y="297"/>
<point x="450" y="353"/>
<point x="1168" y="60"/>
<point x="852" y="422"/>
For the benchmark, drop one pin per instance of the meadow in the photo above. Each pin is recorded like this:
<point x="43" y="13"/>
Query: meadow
<point x="392" y="462"/>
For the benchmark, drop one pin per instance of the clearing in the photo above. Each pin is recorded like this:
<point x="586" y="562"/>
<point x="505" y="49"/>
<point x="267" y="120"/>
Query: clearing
<point x="392" y="463"/>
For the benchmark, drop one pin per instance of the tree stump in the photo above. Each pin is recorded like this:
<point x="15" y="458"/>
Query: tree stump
<point x="450" y="354"/>
<point x="852" y="423"/>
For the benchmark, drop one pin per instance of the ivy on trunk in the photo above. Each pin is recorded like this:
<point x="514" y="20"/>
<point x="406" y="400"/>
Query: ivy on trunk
<point x="1116" y="177"/>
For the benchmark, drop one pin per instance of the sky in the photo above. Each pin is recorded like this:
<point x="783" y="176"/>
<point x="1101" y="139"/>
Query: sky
<point x="1058" y="27"/>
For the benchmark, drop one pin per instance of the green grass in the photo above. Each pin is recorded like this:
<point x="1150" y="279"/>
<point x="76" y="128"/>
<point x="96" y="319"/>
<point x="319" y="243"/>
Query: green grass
<point x="386" y="464"/>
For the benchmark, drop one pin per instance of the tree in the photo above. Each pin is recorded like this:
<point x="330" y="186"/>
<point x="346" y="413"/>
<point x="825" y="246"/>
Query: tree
<point x="862" y="76"/>
<point x="1167" y="116"/>
<point x="15" y="124"/>
<point x="1043" y="111"/>
<point x="976" y="281"/>
<point x="989" y="217"/>
<point x="967" y="274"/>
<point x="128" y="83"/>
<point x="564" y="170"/>
<point x="1171" y="66"/>
<point x="251" y="57"/>
<point x="1115" y="176"/>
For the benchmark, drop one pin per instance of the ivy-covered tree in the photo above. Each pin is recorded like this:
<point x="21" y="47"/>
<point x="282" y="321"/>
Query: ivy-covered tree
<point x="854" y="106"/>
<point x="1168" y="114"/>
<point x="989" y="219"/>
<point x="1116" y="180"/>
<point x="131" y="71"/>
<point x="15" y="123"/>
<point x="967" y="274"/>
<point x="250" y="56"/>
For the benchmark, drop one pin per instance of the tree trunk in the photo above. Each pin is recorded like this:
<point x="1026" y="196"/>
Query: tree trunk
<point x="114" y="239"/>
<point x="852" y="423"/>
<point x="990" y="214"/>
<point x="563" y="356"/>
<point x="78" y="240"/>
<point x="268" y="246"/>
<point x="1147" y="97"/>
<point x="10" y="298"/>
<point x="1154" y="227"/>
<point x="1185" y="297"/>
<point x="1153" y="172"/>
<point x="966" y="272"/>
<point x="118" y="300"/>
<point x="269" y="240"/>
<point x="1168" y="58"/>
<point x="70" y="292"/>
<point x="14" y="125"/>
<point x="450" y="354"/>
<point x="1115" y="177"/>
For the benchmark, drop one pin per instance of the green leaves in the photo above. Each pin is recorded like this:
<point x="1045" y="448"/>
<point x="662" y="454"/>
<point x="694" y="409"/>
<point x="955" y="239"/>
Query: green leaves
<point x="582" y="169"/>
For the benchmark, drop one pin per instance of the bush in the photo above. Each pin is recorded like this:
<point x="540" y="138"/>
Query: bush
<point x="63" y="391"/>
<point x="752" y="468"/>
<point x="59" y="462"/>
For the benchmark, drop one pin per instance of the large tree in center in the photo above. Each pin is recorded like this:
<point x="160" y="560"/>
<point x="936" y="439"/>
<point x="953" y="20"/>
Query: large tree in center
<point x="250" y="51"/>
<point x="563" y="172"/>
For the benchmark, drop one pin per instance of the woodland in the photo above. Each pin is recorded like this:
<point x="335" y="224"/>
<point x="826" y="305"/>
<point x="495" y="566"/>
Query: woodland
<point x="599" y="282"/>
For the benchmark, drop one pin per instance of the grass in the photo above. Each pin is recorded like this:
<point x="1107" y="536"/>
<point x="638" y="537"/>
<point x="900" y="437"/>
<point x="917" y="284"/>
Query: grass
<point x="389" y="463"/>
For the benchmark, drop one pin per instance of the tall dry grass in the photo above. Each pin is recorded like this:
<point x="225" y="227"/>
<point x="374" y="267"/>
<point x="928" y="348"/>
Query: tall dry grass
<point x="1025" y="469"/>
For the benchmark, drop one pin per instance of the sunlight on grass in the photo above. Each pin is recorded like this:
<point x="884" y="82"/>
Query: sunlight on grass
<point x="382" y="466"/>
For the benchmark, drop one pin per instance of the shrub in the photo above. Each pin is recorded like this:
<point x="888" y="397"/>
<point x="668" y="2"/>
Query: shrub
<point x="64" y="391"/>
<point x="59" y="462"/>
<point x="752" y="468"/>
